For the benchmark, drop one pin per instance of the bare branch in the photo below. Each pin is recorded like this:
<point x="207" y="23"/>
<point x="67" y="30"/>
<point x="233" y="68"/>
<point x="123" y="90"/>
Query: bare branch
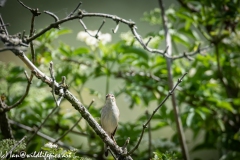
<point x="79" y="4"/>
<point x="86" y="30"/>
<point x="86" y="63"/>
<point x="116" y="28"/>
<point x="19" y="142"/>
<point x="35" y="12"/>
<point x="5" y="126"/>
<point x="149" y="137"/>
<point x="75" y="124"/>
<point x="57" y="104"/>
<point x="178" y="120"/>
<point x="44" y="136"/>
<point x="100" y="28"/>
<point x="53" y="80"/>
<point x="112" y="154"/>
<point x="150" y="38"/>
<point x="3" y="26"/>
<point x="41" y="125"/>
<point x="75" y="103"/>
<point x="31" y="34"/>
<point x="130" y="24"/>
<point x="38" y="133"/>
<point x="150" y="118"/>
<point x="124" y="147"/>
<point x="54" y="17"/>
<point x="191" y="54"/>
<point x="29" y="79"/>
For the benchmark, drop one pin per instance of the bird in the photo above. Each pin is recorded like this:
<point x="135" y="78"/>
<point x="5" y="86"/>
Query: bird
<point x="109" y="118"/>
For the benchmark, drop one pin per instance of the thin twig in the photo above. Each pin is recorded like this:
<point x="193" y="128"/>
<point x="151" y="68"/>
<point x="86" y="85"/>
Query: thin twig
<point x="54" y="17"/>
<point x="86" y="30"/>
<point x="150" y="38"/>
<point x="130" y="24"/>
<point x="114" y="157"/>
<point x="39" y="134"/>
<point x="193" y="53"/>
<point x="53" y="81"/>
<point x="75" y="124"/>
<point x="150" y="118"/>
<point x="116" y="28"/>
<point x="44" y="136"/>
<point x="79" y="133"/>
<point x="35" y="12"/>
<point x="149" y="138"/>
<point x="19" y="142"/>
<point x="57" y="104"/>
<point x="124" y="147"/>
<point x="86" y="63"/>
<point x="24" y="5"/>
<point x="3" y="26"/>
<point x="29" y="79"/>
<point x="5" y="127"/>
<point x="41" y="125"/>
<point x="100" y="28"/>
<point x="79" y="4"/>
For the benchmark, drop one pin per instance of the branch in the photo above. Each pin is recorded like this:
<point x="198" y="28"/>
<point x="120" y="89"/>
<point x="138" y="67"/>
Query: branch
<point x="150" y="118"/>
<point x="86" y="30"/>
<point x="86" y="63"/>
<point x="53" y="87"/>
<point x="149" y="138"/>
<point x="79" y="4"/>
<point x="168" y="42"/>
<point x="130" y="24"/>
<point x="35" y="12"/>
<point x="73" y="125"/>
<point x="116" y="28"/>
<point x="4" y="121"/>
<point x="41" y="125"/>
<point x="3" y="26"/>
<point x="25" y="94"/>
<point x="19" y="142"/>
<point x="56" y="101"/>
<point x="75" y="103"/>
<point x="54" y="17"/>
<point x="193" y="53"/>
<point x="44" y="136"/>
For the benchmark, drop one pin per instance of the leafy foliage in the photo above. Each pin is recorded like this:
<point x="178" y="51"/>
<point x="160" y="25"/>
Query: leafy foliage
<point x="7" y="144"/>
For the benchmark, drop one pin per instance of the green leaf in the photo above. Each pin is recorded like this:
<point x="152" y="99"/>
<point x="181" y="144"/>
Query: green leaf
<point x="226" y="105"/>
<point x="221" y="125"/>
<point x="190" y="118"/>
<point x="81" y="50"/>
<point x="141" y="53"/>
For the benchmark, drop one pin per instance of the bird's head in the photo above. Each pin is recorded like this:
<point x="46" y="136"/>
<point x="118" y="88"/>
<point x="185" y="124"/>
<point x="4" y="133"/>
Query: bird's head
<point x="110" y="98"/>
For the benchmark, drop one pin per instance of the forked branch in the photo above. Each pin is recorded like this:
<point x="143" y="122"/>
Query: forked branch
<point x="150" y="118"/>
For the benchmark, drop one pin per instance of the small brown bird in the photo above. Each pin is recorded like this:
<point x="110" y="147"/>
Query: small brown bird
<point x="109" y="117"/>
